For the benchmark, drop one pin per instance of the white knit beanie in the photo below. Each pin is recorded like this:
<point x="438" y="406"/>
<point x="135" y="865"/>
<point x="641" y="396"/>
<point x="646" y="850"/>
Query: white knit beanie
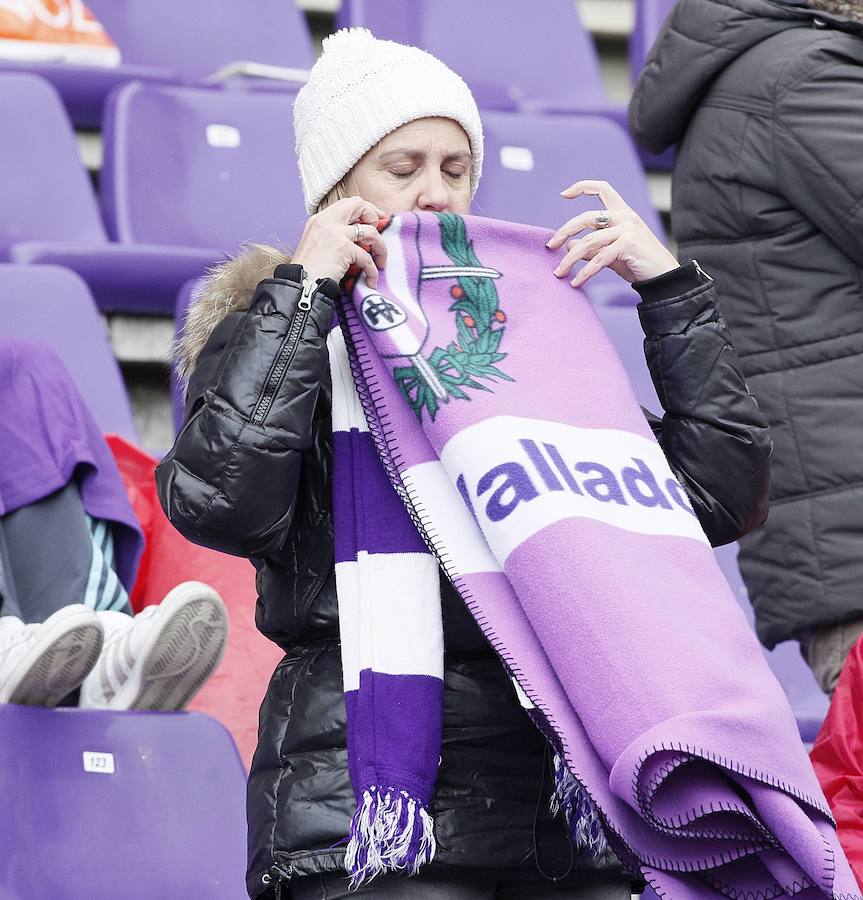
<point x="360" y="90"/>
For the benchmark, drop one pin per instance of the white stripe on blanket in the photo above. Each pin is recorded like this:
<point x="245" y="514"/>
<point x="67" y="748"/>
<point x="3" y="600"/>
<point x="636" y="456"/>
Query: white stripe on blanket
<point x="522" y="475"/>
<point x="468" y="552"/>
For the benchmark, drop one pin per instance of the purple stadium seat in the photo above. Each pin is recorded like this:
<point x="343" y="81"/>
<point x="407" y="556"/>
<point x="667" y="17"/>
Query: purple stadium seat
<point x="196" y="38"/>
<point x="649" y="18"/>
<point x="181" y="42"/>
<point x="200" y="168"/>
<point x="54" y="306"/>
<point x="650" y="15"/>
<point x="184" y="299"/>
<point x="83" y="88"/>
<point x="49" y="213"/>
<point x="530" y="159"/>
<point x="512" y="55"/>
<point x="623" y="328"/>
<point x="45" y="188"/>
<point x="806" y="699"/>
<point x="132" y="805"/>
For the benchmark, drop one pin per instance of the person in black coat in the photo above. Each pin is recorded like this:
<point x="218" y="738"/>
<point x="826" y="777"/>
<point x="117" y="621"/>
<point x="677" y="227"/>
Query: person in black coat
<point x="765" y="100"/>
<point x="259" y="485"/>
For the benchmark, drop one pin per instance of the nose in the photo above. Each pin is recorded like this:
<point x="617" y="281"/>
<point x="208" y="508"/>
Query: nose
<point x="434" y="194"/>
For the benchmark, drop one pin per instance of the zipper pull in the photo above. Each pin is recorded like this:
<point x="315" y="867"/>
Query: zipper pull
<point x="701" y="271"/>
<point x="277" y="876"/>
<point x="309" y="286"/>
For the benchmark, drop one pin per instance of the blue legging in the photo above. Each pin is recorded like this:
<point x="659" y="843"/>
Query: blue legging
<point x="53" y="554"/>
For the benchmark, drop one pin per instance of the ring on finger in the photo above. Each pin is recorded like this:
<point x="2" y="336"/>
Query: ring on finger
<point x="360" y="233"/>
<point x="603" y="219"/>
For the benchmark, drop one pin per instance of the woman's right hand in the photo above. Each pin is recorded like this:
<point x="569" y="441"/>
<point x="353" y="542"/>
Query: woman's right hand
<point x="338" y="237"/>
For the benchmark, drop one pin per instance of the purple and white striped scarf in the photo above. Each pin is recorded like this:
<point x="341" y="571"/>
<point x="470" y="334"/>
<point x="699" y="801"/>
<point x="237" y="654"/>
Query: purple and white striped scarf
<point x="479" y="410"/>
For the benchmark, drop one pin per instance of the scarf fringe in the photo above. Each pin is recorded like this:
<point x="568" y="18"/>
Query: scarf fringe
<point x="390" y="831"/>
<point x="582" y="817"/>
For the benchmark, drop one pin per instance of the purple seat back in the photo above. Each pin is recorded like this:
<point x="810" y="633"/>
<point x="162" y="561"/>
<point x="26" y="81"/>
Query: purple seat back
<point x="649" y="18"/>
<point x="200" y="168"/>
<point x="83" y="88"/>
<point x="46" y="193"/>
<point x="54" y="306"/>
<point x="531" y="158"/>
<point x="506" y="50"/>
<point x="622" y="326"/>
<point x="184" y="300"/>
<point x="133" y="805"/>
<point x="806" y="699"/>
<point x="165" y="41"/>
<point x="196" y="37"/>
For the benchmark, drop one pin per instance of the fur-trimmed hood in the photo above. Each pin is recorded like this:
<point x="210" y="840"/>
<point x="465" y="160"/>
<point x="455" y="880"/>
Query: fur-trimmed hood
<point x="227" y="288"/>
<point x="847" y="9"/>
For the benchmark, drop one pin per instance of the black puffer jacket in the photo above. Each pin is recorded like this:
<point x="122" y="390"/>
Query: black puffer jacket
<point x="259" y="487"/>
<point x="768" y="195"/>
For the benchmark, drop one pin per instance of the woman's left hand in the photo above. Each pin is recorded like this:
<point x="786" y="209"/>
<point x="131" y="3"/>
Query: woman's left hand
<point x="625" y="244"/>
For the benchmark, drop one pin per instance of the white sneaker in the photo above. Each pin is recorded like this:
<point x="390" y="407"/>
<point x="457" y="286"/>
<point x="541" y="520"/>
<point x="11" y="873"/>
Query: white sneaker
<point x="41" y="663"/>
<point x="160" y="658"/>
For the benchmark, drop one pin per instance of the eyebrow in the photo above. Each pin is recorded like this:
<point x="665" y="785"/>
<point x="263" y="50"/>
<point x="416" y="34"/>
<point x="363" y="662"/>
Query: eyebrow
<point x="412" y="153"/>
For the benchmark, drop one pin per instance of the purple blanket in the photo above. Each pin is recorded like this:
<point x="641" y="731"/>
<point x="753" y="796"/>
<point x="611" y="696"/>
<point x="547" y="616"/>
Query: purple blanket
<point x="48" y="436"/>
<point x="503" y="417"/>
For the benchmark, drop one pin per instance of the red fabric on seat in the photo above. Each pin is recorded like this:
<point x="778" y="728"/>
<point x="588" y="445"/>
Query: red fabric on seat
<point x="837" y="757"/>
<point x="234" y="692"/>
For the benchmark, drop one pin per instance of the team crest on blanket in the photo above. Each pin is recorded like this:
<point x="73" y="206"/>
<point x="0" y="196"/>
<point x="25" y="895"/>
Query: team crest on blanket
<point x="471" y="361"/>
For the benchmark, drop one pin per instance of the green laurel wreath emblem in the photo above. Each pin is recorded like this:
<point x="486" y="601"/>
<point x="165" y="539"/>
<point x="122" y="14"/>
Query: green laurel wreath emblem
<point x="480" y="325"/>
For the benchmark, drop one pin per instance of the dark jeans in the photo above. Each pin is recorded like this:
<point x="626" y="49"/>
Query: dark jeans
<point x="440" y="887"/>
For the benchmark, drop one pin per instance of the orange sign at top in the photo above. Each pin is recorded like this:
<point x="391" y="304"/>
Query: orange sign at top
<point x="54" y="31"/>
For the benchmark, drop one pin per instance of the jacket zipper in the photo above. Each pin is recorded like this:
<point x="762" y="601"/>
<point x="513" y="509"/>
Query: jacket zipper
<point x="286" y="353"/>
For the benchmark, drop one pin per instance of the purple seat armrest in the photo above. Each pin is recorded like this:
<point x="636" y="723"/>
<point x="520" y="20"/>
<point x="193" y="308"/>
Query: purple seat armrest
<point x="84" y="88"/>
<point x="565" y="106"/>
<point x="124" y="278"/>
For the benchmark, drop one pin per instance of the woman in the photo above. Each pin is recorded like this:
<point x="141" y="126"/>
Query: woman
<point x="382" y="128"/>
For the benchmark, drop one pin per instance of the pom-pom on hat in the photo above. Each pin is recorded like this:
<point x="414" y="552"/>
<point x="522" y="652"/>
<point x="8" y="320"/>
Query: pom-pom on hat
<point x="360" y="90"/>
